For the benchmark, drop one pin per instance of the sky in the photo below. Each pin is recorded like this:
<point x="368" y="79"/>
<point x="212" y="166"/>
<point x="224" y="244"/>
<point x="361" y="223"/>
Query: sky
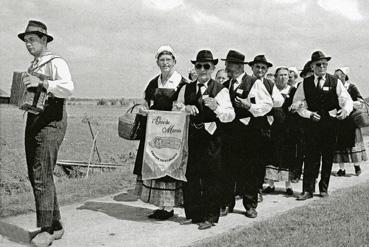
<point x="110" y="46"/>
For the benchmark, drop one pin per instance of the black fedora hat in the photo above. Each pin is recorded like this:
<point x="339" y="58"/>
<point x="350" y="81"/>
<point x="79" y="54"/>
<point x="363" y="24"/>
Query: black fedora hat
<point x="306" y="69"/>
<point x="205" y="56"/>
<point x="235" y="57"/>
<point x="35" y="27"/>
<point x="318" y="55"/>
<point x="260" y="59"/>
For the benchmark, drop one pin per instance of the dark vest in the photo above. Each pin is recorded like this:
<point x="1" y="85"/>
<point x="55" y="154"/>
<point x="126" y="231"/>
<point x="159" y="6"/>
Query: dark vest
<point x="321" y="100"/>
<point x="190" y="98"/>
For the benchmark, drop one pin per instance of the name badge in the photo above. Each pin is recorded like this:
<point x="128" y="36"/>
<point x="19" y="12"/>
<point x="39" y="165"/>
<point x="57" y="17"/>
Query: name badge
<point x="239" y="91"/>
<point x="326" y="89"/>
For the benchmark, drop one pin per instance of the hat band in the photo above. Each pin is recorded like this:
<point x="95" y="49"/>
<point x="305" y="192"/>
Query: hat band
<point x="35" y="29"/>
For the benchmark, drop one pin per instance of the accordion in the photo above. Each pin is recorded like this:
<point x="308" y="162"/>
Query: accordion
<point x="28" y="99"/>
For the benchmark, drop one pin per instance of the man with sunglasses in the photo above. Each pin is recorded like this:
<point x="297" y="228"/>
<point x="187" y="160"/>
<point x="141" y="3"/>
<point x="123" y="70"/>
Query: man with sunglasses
<point x="208" y="103"/>
<point x="324" y="100"/>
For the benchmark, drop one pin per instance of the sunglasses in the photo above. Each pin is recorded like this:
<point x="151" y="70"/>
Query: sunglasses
<point x="260" y="67"/>
<point x="321" y="64"/>
<point x="205" y="66"/>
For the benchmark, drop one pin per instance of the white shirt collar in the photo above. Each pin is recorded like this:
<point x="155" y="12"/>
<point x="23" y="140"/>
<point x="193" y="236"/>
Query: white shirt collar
<point x="172" y="82"/>
<point x="205" y="84"/>
<point x="239" y="78"/>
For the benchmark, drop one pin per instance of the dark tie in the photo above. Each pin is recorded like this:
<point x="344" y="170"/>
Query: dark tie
<point x="231" y="89"/>
<point x="318" y="83"/>
<point x="199" y="93"/>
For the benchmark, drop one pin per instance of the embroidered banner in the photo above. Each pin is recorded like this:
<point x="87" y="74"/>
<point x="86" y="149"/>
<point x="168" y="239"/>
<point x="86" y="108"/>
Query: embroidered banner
<point x="166" y="145"/>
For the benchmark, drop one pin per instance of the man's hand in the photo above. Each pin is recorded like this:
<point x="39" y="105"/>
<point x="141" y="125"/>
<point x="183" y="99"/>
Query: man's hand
<point x="211" y="103"/>
<point x="192" y="110"/>
<point x="242" y="103"/>
<point x="315" y="117"/>
<point x="31" y="81"/>
<point x="342" y="114"/>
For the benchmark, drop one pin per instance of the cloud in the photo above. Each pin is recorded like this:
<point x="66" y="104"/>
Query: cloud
<point x="82" y="51"/>
<point x="346" y="8"/>
<point x="200" y="18"/>
<point x="163" y="4"/>
<point x="286" y="1"/>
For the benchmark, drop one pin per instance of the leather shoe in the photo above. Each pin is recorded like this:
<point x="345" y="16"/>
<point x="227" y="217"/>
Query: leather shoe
<point x="324" y="194"/>
<point x="341" y="173"/>
<point x="304" y="196"/>
<point x="357" y="170"/>
<point x="251" y="213"/>
<point x="155" y="214"/>
<point x="205" y="225"/>
<point x="164" y="215"/>
<point x="269" y="189"/>
<point x="289" y="191"/>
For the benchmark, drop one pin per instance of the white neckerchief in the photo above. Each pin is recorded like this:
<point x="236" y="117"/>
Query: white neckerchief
<point x="172" y="82"/>
<point x="286" y="90"/>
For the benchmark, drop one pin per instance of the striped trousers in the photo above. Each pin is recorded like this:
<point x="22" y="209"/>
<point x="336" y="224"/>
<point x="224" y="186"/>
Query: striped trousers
<point x="43" y="135"/>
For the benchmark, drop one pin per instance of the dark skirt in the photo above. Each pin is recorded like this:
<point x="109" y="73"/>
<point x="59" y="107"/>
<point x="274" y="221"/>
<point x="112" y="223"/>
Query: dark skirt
<point x="283" y="154"/>
<point x="353" y="154"/>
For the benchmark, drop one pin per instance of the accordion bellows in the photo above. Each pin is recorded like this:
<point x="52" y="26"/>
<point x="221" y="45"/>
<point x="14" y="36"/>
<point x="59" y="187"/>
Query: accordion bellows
<point x="31" y="100"/>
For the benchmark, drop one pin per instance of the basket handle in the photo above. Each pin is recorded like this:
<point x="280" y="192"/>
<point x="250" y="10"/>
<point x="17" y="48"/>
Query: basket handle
<point x="132" y="107"/>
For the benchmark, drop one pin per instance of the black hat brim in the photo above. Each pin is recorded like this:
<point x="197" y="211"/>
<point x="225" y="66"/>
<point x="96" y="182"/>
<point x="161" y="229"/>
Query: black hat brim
<point x="214" y="61"/>
<point x="233" y="61"/>
<point x="266" y="63"/>
<point x="327" y="58"/>
<point x="49" y="38"/>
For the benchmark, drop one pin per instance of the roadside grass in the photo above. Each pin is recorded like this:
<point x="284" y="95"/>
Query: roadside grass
<point x="340" y="220"/>
<point x="70" y="191"/>
<point x="16" y="195"/>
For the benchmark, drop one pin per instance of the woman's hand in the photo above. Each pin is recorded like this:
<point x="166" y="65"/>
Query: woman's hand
<point x="192" y="110"/>
<point x="143" y="110"/>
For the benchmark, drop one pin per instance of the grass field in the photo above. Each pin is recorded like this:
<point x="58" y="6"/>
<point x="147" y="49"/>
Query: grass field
<point x="15" y="190"/>
<point x="340" y="220"/>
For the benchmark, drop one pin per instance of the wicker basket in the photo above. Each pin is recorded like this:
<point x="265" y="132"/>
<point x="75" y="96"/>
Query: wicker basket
<point x="130" y="124"/>
<point x="361" y="116"/>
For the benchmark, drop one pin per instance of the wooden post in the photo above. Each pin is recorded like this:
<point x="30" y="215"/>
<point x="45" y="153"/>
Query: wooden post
<point x="93" y="137"/>
<point x="91" y="153"/>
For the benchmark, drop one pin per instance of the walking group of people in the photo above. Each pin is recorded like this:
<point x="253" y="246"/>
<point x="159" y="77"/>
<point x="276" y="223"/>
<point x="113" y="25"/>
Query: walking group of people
<point x="247" y="130"/>
<point x="241" y="132"/>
